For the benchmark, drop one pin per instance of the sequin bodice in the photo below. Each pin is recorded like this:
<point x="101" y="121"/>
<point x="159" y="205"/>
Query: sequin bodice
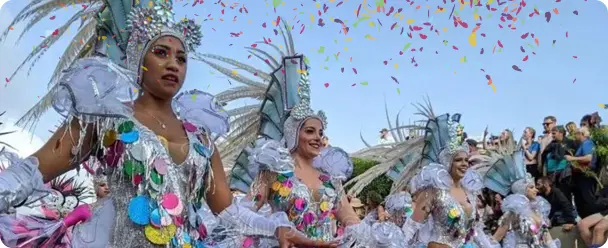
<point x="156" y="200"/>
<point x="451" y="225"/>
<point x="312" y="217"/>
<point x="526" y="233"/>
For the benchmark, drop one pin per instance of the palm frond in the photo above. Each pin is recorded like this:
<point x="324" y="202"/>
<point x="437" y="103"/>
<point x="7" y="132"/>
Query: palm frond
<point x="241" y="92"/>
<point x="36" y="10"/>
<point x="81" y="46"/>
<point x="50" y="40"/>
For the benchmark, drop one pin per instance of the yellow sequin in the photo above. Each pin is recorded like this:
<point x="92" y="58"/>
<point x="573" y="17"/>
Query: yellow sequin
<point x="284" y="191"/>
<point x="276" y="186"/>
<point x="453" y="213"/>
<point x="109" y="137"/>
<point x="324" y="206"/>
<point x="160" y="236"/>
<point x="163" y="141"/>
<point x="187" y="246"/>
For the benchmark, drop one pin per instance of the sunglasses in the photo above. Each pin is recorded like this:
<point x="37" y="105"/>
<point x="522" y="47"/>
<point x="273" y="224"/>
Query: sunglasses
<point x="547" y="123"/>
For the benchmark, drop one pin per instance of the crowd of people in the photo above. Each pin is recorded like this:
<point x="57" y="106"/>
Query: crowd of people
<point x="565" y="165"/>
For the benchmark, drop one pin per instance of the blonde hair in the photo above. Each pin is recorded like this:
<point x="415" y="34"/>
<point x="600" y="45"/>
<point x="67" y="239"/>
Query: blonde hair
<point x="532" y="131"/>
<point x="584" y="131"/>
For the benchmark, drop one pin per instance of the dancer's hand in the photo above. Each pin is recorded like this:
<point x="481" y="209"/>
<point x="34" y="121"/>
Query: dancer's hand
<point x="289" y="237"/>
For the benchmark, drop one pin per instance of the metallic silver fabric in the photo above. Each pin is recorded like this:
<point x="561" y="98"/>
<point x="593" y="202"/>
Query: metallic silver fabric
<point x="447" y="230"/>
<point x="184" y="180"/>
<point x="97" y="231"/>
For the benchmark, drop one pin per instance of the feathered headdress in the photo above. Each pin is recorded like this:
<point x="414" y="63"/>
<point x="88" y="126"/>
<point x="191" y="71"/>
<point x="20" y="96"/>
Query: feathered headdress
<point x="508" y="174"/>
<point x="121" y="30"/>
<point x="300" y="113"/>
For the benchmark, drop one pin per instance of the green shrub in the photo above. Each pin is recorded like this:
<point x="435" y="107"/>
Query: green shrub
<point x="382" y="184"/>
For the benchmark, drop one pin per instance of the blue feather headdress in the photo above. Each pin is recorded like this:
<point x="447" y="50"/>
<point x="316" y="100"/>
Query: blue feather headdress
<point x="508" y="174"/>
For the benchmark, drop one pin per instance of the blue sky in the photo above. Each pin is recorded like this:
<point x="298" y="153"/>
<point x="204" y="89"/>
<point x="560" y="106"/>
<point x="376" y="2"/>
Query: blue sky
<point x="544" y="87"/>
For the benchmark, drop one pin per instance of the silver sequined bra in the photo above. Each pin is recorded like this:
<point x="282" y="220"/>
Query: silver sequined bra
<point x="314" y="218"/>
<point x="156" y="200"/>
<point x="451" y="225"/>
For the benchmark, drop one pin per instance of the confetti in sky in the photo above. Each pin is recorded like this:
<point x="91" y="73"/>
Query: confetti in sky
<point x="489" y="24"/>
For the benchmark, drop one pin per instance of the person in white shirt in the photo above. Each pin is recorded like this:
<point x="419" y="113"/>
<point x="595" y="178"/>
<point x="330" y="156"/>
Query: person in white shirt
<point x="385" y="137"/>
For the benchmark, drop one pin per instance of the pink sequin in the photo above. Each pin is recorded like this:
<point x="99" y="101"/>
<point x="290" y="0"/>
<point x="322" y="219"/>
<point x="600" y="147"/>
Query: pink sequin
<point x="299" y="204"/>
<point x="309" y="218"/>
<point x="169" y="201"/>
<point x="248" y="242"/>
<point x="191" y="128"/>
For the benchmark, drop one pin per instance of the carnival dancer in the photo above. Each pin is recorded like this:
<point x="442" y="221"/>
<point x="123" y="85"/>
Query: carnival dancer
<point x="445" y="191"/>
<point x="299" y="179"/>
<point x="166" y="176"/>
<point x="85" y="225"/>
<point x="525" y="222"/>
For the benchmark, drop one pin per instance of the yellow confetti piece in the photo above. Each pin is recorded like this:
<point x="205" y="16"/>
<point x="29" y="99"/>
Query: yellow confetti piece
<point x="476" y="17"/>
<point x="348" y="39"/>
<point x="234" y="72"/>
<point x="144" y="68"/>
<point x="150" y="4"/>
<point x="249" y="21"/>
<point x="318" y="5"/>
<point x="409" y="21"/>
<point x="445" y="29"/>
<point x="345" y="48"/>
<point x="396" y="66"/>
<point x="104" y="37"/>
<point x="312" y="18"/>
<point x="300" y="71"/>
<point x="372" y="24"/>
<point x="602" y="105"/>
<point x="473" y="39"/>
<point x="274" y="23"/>
<point x="369" y="37"/>
<point x="493" y="88"/>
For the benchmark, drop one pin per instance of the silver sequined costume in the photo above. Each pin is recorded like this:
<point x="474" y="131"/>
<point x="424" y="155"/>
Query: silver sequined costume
<point x="528" y="226"/>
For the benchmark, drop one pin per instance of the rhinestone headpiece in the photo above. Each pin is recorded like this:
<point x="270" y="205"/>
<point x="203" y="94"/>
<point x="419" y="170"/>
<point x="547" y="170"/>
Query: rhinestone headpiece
<point x="147" y="24"/>
<point x="453" y="145"/>
<point x="300" y="113"/>
<point x="100" y="179"/>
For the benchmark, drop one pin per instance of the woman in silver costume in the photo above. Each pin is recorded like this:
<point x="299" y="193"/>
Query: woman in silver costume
<point x="157" y="148"/>
<point x="445" y="192"/>
<point x="525" y="222"/>
<point x="299" y="179"/>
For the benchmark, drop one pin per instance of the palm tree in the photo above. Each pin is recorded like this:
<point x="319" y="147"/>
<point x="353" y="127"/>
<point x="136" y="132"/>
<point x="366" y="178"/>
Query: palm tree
<point x="393" y="158"/>
<point x="2" y="143"/>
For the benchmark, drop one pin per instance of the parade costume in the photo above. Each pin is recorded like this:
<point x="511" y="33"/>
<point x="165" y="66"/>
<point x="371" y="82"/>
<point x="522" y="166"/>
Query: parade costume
<point x="57" y="212"/>
<point x="157" y="201"/>
<point x="265" y="169"/>
<point x="447" y="222"/>
<point x="528" y="219"/>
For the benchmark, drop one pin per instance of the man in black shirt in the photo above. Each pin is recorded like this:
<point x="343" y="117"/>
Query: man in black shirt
<point x="554" y="162"/>
<point x="562" y="211"/>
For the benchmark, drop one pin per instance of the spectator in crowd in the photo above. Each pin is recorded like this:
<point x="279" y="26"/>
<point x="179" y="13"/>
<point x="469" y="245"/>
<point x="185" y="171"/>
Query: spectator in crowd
<point x="506" y="141"/>
<point x="548" y="123"/>
<point x="595" y="120"/>
<point x="385" y="137"/>
<point x="325" y="141"/>
<point x="473" y="150"/>
<point x="586" y="121"/>
<point x="358" y="206"/>
<point x="556" y="165"/>
<point x="571" y="128"/>
<point x="562" y="211"/>
<point x="582" y="161"/>
<point x="540" y="138"/>
<point x="375" y="210"/>
<point x="531" y="149"/>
